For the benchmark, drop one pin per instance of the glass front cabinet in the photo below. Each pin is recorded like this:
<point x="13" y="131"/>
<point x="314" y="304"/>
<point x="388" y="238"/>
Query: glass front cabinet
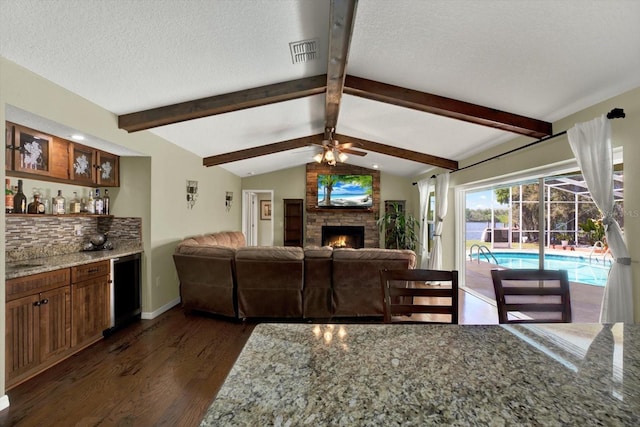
<point x="30" y="152"/>
<point x="83" y="164"/>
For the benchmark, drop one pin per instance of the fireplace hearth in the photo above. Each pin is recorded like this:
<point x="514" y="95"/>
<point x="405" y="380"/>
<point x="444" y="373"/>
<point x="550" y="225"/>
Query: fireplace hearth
<point x="343" y="236"/>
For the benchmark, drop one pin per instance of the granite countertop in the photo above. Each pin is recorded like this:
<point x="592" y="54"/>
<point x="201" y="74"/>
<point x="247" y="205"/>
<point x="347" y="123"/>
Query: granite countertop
<point x="44" y="264"/>
<point x="353" y="375"/>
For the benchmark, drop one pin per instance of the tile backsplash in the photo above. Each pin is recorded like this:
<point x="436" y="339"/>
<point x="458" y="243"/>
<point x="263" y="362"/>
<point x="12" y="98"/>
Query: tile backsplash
<point x="37" y="236"/>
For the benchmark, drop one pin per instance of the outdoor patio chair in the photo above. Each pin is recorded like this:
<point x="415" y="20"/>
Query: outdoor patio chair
<point x="420" y="296"/>
<point x="532" y="296"/>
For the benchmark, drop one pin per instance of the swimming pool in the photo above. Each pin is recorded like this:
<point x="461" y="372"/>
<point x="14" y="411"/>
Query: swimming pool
<point x="578" y="267"/>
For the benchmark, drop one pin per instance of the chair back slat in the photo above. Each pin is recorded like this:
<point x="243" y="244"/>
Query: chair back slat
<point x="416" y="296"/>
<point x="530" y="292"/>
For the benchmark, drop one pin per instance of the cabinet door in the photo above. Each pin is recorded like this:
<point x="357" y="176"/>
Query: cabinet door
<point x="22" y="336"/>
<point x="60" y="158"/>
<point x="293" y="222"/>
<point x="83" y="164"/>
<point x="108" y="173"/>
<point x="31" y="151"/>
<point x="55" y="322"/>
<point x="91" y="310"/>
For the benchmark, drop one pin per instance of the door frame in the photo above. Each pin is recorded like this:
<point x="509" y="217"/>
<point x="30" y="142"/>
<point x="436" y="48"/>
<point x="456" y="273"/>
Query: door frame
<point x="250" y="216"/>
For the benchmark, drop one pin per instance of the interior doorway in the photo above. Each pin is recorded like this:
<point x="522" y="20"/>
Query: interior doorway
<point x="257" y="217"/>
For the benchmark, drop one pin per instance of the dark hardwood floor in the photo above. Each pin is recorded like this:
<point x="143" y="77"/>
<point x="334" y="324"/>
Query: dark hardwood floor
<point x="160" y="372"/>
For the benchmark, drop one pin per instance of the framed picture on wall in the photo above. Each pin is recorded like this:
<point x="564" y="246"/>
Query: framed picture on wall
<point x="265" y="209"/>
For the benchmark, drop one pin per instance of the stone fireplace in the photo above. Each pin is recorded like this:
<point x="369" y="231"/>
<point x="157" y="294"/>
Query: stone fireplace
<point x="318" y="217"/>
<point x="343" y="236"/>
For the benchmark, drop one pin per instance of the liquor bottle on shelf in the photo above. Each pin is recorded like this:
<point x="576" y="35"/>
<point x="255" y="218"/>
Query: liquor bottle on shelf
<point x="107" y="202"/>
<point x="19" y="200"/>
<point x="91" y="204"/>
<point x="8" y="197"/>
<point x="36" y="207"/>
<point x="74" y="204"/>
<point x="59" y="204"/>
<point x="99" y="203"/>
<point x="84" y="206"/>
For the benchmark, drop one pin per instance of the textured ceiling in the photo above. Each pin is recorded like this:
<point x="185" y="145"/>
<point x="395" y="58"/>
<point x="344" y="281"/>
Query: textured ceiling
<point x="541" y="59"/>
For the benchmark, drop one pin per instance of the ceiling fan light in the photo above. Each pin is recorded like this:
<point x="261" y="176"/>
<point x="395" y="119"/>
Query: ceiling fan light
<point x="318" y="157"/>
<point x="329" y="157"/>
<point x="342" y="157"/>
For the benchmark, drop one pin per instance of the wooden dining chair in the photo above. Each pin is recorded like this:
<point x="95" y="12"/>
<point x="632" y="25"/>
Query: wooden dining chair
<point x="420" y="296"/>
<point x="539" y="296"/>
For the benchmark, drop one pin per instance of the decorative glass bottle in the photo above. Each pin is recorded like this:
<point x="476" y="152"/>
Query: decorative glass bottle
<point x="99" y="203"/>
<point x="59" y="204"/>
<point x="19" y="200"/>
<point x="36" y="207"/>
<point x="74" y="204"/>
<point x="107" y="202"/>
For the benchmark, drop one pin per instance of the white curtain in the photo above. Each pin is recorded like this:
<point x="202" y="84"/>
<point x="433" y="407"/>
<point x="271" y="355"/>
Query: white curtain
<point x="442" y="194"/>
<point x="591" y="144"/>
<point x="424" y="187"/>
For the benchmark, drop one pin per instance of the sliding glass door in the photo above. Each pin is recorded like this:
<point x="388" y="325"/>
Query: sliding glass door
<point x="546" y="222"/>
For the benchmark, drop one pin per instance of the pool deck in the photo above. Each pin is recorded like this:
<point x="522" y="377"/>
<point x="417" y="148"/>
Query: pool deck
<point x="585" y="299"/>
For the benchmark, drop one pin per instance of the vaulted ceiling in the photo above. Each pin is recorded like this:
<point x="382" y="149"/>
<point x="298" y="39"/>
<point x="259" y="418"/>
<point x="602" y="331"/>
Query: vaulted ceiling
<point x="413" y="84"/>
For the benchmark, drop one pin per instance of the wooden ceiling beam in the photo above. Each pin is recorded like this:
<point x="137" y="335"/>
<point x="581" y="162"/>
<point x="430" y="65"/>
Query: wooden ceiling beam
<point x="446" y="107"/>
<point x="262" y="150"/>
<point x="399" y="152"/>
<point x="363" y="144"/>
<point x="204" y="107"/>
<point x="343" y="14"/>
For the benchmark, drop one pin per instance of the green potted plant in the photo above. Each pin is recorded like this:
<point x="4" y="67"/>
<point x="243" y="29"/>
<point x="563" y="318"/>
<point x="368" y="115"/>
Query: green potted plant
<point x="563" y="238"/>
<point x="594" y="228"/>
<point x="399" y="228"/>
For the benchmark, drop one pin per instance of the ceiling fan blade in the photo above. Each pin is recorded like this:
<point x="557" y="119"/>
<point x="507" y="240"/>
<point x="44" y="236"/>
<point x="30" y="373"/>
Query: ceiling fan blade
<point x="354" y="152"/>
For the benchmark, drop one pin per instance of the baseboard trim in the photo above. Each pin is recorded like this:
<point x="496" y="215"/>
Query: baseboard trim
<point x="146" y="315"/>
<point x="4" y="402"/>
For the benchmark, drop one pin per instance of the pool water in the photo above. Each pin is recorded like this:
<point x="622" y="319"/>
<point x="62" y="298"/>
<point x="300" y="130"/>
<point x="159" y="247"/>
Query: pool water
<point x="578" y="268"/>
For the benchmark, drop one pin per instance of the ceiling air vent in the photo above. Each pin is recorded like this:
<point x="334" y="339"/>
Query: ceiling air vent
<point x="304" y="51"/>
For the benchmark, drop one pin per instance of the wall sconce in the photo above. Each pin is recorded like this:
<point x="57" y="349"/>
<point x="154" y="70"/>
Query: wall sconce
<point x="192" y="193"/>
<point x="228" y="200"/>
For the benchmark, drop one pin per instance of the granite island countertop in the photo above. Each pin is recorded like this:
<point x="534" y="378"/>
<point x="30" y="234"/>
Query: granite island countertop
<point x="380" y="375"/>
<point x="50" y="263"/>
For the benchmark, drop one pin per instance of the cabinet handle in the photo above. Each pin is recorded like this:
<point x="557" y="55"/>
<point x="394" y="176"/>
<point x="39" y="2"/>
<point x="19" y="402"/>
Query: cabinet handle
<point x="93" y="270"/>
<point x="45" y="301"/>
<point x="37" y="304"/>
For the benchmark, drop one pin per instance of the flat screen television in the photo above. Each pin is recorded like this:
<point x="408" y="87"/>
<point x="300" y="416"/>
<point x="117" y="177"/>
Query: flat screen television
<point x="345" y="191"/>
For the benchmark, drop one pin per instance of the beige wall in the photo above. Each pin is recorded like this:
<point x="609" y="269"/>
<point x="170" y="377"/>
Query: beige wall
<point x="625" y="134"/>
<point x="153" y="185"/>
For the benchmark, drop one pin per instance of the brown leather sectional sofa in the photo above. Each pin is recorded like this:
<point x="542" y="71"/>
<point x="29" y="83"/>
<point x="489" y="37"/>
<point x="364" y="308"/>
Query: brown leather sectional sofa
<point x="219" y="274"/>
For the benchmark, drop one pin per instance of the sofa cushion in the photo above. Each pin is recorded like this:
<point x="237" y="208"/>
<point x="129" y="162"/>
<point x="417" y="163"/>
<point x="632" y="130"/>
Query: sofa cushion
<point x="266" y="253"/>
<point x="375" y="254"/>
<point x="318" y="252"/>
<point x="269" y="281"/>
<point x="205" y="250"/>
<point x="234" y="239"/>
<point x="317" y="292"/>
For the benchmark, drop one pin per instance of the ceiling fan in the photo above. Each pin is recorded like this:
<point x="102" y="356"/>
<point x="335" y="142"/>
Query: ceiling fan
<point x="333" y="151"/>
